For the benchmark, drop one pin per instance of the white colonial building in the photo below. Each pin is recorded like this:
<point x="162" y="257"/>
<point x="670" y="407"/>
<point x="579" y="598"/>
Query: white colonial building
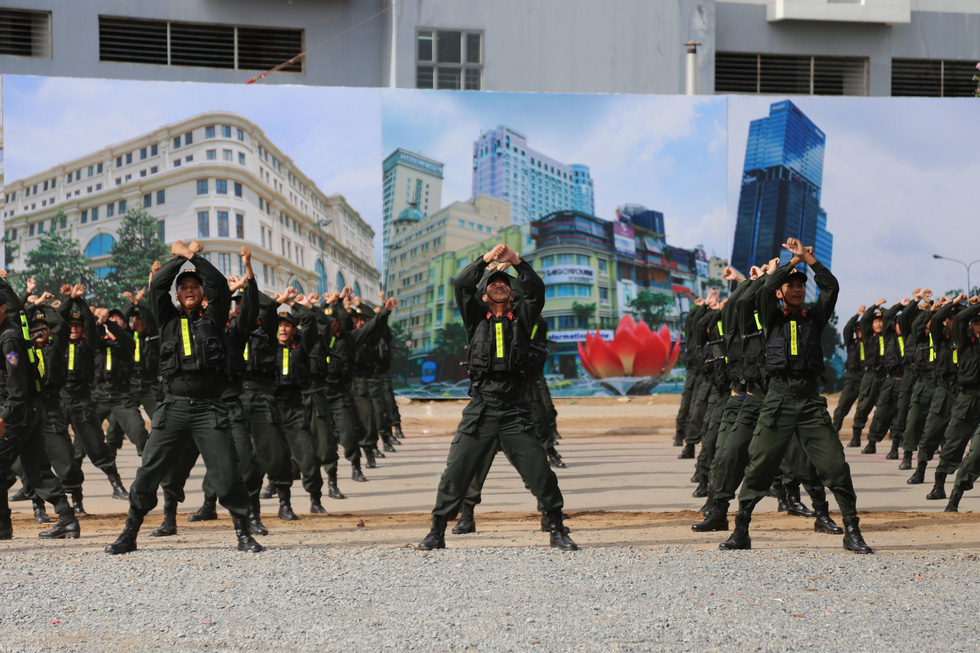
<point x="215" y="178"/>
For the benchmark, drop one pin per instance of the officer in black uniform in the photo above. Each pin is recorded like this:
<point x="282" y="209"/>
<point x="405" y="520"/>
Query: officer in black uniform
<point x="923" y="360"/>
<point x="498" y="410"/>
<point x="853" y="369"/>
<point x="145" y="387"/>
<point x="387" y="386"/>
<point x="22" y="420"/>
<point x="966" y="332"/>
<point x="891" y="358"/>
<point x="193" y="364"/>
<point x="364" y="389"/>
<point x="872" y="327"/>
<point x="692" y="377"/>
<point x="113" y="372"/>
<point x="794" y="363"/>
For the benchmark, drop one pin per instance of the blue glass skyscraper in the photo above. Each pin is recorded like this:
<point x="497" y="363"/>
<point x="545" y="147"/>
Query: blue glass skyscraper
<point x="781" y="184"/>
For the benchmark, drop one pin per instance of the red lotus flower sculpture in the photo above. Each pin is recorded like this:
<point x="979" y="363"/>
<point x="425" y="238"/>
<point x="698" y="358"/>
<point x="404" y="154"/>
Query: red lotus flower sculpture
<point x="635" y="350"/>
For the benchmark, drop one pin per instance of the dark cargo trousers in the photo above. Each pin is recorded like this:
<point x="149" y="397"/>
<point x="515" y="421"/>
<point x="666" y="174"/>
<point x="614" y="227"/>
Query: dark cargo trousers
<point x="296" y="430"/>
<point x="265" y="426"/>
<point x="918" y="411"/>
<point x="391" y="406"/>
<point x="936" y="421"/>
<point x="89" y="438"/>
<point x="732" y="449"/>
<point x="58" y="448"/>
<point x="176" y="422"/>
<point x="721" y="407"/>
<point x="904" y="401"/>
<point x="542" y="409"/>
<point x="796" y="408"/>
<point x="487" y="422"/>
<point x="964" y="417"/>
<point x="118" y="405"/>
<point x="691" y="381"/>
<point x="848" y="395"/>
<point x="148" y="396"/>
<point x="334" y="403"/>
<point x="382" y="427"/>
<point x="23" y="441"/>
<point x="797" y="469"/>
<point x="366" y="415"/>
<point x="867" y="397"/>
<point x="699" y="407"/>
<point x="886" y="409"/>
<point x="970" y="469"/>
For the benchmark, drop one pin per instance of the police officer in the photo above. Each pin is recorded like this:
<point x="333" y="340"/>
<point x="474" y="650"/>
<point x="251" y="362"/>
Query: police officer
<point x="872" y="328"/>
<point x="145" y="386"/>
<point x="794" y="362"/>
<point x="498" y="411"/>
<point x="387" y="386"/>
<point x="542" y="407"/>
<point x="193" y="364"/>
<point x="906" y="322"/>
<point x="22" y="420"/>
<point x="966" y="332"/>
<point x="853" y="369"/>
<point x="367" y="400"/>
<point x="114" y="369"/>
<point x="891" y="359"/>
<point x="700" y="398"/>
<point x="692" y="377"/>
<point x="922" y="361"/>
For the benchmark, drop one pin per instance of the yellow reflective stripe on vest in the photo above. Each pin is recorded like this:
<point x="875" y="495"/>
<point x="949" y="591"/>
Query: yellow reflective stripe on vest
<point x="285" y="362"/>
<point x="862" y="350"/>
<point x="136" y="356"/>
<point x="71" y="358"/>
<point x="185" y="336"/>
<point x="27" y="336"/>
<point x="932" y="350"/>
<point x="498" y="329"/>
<point x="333" y="339"/>
<point x="794" y="349"/>
<point x="901" y="346"/>
<point x="721" y="329"/>
<point x="956" y="358"/>
<point x="245" y="353"/>
<point x="534" y="331"/>
<point x="108" y="359"/>
<point x="758" y="324"/>
<point x="881" y="345"/>
<point x="40" y="364"/>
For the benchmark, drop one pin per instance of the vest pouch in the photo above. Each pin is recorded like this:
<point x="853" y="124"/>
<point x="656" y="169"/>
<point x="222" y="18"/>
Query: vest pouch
<point x="214" y="353"/>
<point x="168" y="358"/>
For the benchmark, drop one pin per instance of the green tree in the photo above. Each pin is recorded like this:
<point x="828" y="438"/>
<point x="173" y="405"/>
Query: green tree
<point x="652" y="307"/>
<point x="583" y="314"/>
<point x="451" y="343"/>
<point x="399" y="350"/>
<point x="10" y="251"/>
<point x="55" y="261"/>
<point x="137" y="246"/>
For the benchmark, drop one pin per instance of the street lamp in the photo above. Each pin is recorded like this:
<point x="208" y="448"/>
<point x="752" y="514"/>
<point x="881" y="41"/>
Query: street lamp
<point x="969" y="288"/>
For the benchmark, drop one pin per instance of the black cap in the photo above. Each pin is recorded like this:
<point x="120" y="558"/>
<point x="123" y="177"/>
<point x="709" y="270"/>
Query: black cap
<point x="878" y="314"/>
<point x="116" y="311"/>
<point x="498" y="274"/>
<point x="190" y="272"/>
<point x="36" y="317"/>
<point x="76" y="317"/>
<point x="796" y="273"/>
<point x="288" y="317"/>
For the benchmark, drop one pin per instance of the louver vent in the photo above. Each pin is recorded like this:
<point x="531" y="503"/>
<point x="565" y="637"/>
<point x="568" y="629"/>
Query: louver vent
<point x="25" y="33"/>
<point x="738" y="72"/>
<point x="933" y="78"/>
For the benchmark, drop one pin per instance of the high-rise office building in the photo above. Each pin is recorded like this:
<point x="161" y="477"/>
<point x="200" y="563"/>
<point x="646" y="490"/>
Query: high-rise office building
<point x="534" y="183"/>
<point x="781" y="184"/>
<point x="410" y="181"/>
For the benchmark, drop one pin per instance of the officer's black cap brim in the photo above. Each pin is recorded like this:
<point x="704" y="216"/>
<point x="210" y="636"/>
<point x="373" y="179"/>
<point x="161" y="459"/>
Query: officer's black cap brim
<point x="188" y="273"/>
<point x="286" y="317"/>
<point x="498" y="274"/>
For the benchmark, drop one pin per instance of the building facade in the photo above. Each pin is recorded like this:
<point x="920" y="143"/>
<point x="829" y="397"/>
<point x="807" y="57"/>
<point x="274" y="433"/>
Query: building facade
<point x="534" y="183"/>
<point x="215" y="178"/>
<point x="784" y="47"/>
<point x="781" y="186"/>
<point x="409" y="181"/>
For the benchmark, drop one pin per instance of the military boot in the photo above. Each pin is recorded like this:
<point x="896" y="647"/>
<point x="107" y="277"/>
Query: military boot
<point x="687" y="451"/>
<point x="740" y="536"/>
<point x="169" y="525"/>
<point x="67" y="527"/>
<point x="126" y="541"/>
<point x="679" y="440"/>
<point x="397" y="430"/>
<point x="388" y="444"/>
<point x="377" y="452"/>
<point x="356" y="474"/>
<point x="40" y="514"/>
<point x="954" y="500"/>
<point x="332" y="490"/>
<point x="893" y="454"/>
<point x="207" y="511"/>
<point x="546" y="522"/>
<point x="436" y="539"/>
<point x="707" y="504"/>
<point x="20" y="495"/>
<point x="823" y="522"/>
<point x="268" y="492"/>
<point x="701" y="490"/>
<point x="369" y="461"/>
<point x="938" y="488"/>
<point x="285" y="507"/>
<point x="392" y="437"/>
<point x="870" y="447"/>
<point x="255" y="518"/>
<point x="6" y="527"/>
<point x="316" y="507"/>
<point x="76" y="502"/>
<point x="780" y="493"/>
<point x="856" y="439"/>
<point x="118" y="489"/>
<point x="793" y="504"/>
<point x="559" y="534"/>
<point x="853" y="541"/>
<point x="906" y="461"/>
<point x="715" y="520"/>
<point x="244" y="534"/>
<point x="466" y="523"/>
<point x="554" y="459"/>
<point x="919" y="475"/>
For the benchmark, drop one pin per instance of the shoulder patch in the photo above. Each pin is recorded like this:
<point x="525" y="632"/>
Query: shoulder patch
<point x="13" y="358"/>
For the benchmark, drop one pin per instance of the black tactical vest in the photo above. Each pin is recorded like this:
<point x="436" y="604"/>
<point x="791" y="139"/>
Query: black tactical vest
<point x="793" y="347"/>
<point x="79" y="364"/>
<point x="50" y="370"/>
<point x="292" y="367"/>
<point x="968" y="368"/>
<point x="331" y="358"/>
<point x="499" y="345"/>
<point x="260" y="353"/>
<point x="192" y="344"/>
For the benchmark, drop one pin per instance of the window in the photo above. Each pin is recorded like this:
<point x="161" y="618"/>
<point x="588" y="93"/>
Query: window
<point x="241" y="159"/>
<point x="340" y="282"/>
<point x="212" y="155"/>
<point x="162" y="230"/>
<point x="95" y="213"/>
<point x="225" y="131"/>
<point x="221" y="186"/>
<point x="129" y="158"/>
<point x="98" y="169"/>
<point x="26" y="33"/>
<point x="226" y="155"/>
<point x="602" y="267"/>
<point x="161" y="196"/>
<point x="241" y="135"/>
<point x="188" y="159"/>
<point x="209" y="131"/>
<point x="40" y="228"/>
<point x="449" y="59"/>
<point x="91" y="171"/>
<point x="153" y="150"/>
<point x="176" y="163"/>
<point x="153" y="170"/>
<point x="30" y="230"/>
<point x="143" y="153"/>
<point x="176" y="142"/>
<point x="118" y="181"/>
<point x="238" y="189"/>
<point x="239" y="226"/>
<point x="122" y="207"/>
<point x="203" y="45"/>
<point x="203" y="224"/>
<point x="148" y="200"/>
<point x="222" y="224"/>
<point x="64" y="224"/>
<point x="188" y="138"/>
<point x="101" y="245"/>
<point x="202" y="186"/>
<point x="142" y="173"/>
<point x="224" y="263"/>
<point x="110" y="210"/>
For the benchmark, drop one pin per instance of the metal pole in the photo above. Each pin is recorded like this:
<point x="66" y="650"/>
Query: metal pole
<point x="691" y="83"/>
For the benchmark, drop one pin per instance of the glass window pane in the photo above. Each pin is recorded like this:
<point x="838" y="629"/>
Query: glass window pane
<point x="450" y="47"/>
<point x="425" y="46"/>
<point x="474" y="79"/>
<point x="473" y="50"/>
<point x="449" y="78"/>
<point x="423" y="77"/>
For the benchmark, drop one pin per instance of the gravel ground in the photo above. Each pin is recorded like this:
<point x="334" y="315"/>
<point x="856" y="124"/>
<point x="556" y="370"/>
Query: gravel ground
<point x="501" y="599"/>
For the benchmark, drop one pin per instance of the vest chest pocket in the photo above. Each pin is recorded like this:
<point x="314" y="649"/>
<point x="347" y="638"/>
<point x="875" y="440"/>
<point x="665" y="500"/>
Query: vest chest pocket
<point x="168" y="358"/>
